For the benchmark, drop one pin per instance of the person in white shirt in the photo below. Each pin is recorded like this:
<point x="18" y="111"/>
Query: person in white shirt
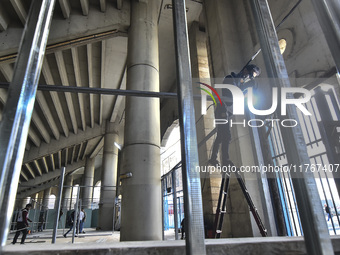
<point x="82" y="218"/>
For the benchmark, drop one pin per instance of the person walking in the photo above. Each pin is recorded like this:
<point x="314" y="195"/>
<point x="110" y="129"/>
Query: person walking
<point x="328" y="211"/>
<point x="22" y="224"/>
<point x="70" y="223"/>
<point x="82" y="218"/>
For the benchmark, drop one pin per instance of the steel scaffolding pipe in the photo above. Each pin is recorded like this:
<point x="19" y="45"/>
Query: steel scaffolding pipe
<point x="193" y="211"/>
<point x="19" y="106"/>
<point x="101" y="91"/>
<point x="314" y="226"/>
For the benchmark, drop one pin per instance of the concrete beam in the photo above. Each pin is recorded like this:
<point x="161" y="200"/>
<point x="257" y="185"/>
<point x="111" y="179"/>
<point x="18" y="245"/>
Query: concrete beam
<point x="102" y="79"/>
<point x="102" y="5"/>
<point x="34" y="137"/>
<point x="24" y="175"/>
<point x="20" y="10"/>
<point x="85" y="6"/>
<point x="77" y="26"/>
<point x="4" y="69"/>
<point x="66" y="156"/>
<point x="64" y="79"/>
<point x="59" y="159"/>
<point x="120" y="101"/>
<point x="45" y="164"/>
<point x="85" y="150"/>
<point x="65" y="8"/>
<point x="46" y="71"/>
<point x="4" y="20"/>
<point x="28" y="192"/>
<point x="52" y="162"/>
<point x="119" y="4"/>
<point x="30" y="170"/>
<point x="44" y="106"/>
<point x="49" y="176"/>
<point x="98" y="147"/>
<point x="55" y="146"/>
<point x="75" y="58"/>
<point x="91" y="85"/>
<point x="41" y="127"/>
<point x="72" y="153"/>
<point x="36" y="164"/>
<point x="79" y="152"/>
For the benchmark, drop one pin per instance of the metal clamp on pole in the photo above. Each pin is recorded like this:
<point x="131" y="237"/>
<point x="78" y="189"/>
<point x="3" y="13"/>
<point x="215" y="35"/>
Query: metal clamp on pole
<point x="125" y="176"/>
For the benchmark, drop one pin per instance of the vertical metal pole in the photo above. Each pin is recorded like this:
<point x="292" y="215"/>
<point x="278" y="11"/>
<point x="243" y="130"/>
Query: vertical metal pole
<point x="174" y="197"/>
<point x="71" y="199"/>
<point x="262" y="179"/>
<point x="315" y="230"/>
<point x="191" y="179"/>
<point x="328" y="13"/>
<point x="19" y="106"/>
<point x="75" y="225"/>
<point x="60" y="194"/>
<point x="162" y="185"/>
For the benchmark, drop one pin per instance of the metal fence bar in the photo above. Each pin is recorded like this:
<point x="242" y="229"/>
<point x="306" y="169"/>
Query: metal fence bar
<point x="331" y="193"/>
<point x="75" y="218"/>
<point x="19" y="106"/>
<point x="60" y="193"/>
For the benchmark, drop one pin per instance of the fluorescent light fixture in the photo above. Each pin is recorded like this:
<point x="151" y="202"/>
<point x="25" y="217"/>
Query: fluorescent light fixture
<point x="118" y="146"/>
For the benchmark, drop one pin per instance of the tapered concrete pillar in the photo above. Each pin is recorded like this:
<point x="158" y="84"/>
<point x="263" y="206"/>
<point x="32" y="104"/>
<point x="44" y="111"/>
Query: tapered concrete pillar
<point x="35" y="201"/>
<point x="40" y="199"/>
<point x="88" y="183"/>
<point x="141" y="194"/>
<point x="24" y="202"/>
<point x="108" y="180"/>
<point x="67" y="192"/>
<point x="46" y="199"/>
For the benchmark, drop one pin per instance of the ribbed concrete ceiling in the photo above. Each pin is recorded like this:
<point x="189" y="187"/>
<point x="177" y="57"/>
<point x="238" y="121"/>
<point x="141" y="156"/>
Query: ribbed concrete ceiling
<point x="87" y="47"/>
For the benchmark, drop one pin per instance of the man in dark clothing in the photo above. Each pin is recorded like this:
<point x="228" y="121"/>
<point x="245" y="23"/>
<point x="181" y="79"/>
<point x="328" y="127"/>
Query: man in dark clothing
<point x="224" y="111"/>
<point x="41" y="221"/>
<point x="328" y="211"/>
<point x="70" y="222"/>
<point x="22" y="224"/>
<point x="182" y="228"/>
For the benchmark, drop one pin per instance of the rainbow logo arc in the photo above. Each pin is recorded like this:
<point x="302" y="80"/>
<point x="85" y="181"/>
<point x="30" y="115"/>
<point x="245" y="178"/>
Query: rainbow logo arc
<point x="212" y="89"/>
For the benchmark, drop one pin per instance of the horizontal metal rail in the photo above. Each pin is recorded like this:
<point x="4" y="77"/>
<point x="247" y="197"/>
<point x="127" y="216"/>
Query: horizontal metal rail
<point x="103" y="91"/>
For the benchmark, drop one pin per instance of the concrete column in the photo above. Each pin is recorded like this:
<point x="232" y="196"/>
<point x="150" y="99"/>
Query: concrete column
<point x="108" y="181"/>
<point x="34" y="201"/>
<point x="226" y="56"/>
<point x="67" y="194"/>
<point x="200" y="72"/>
<point x="88" y="183"/>
<point x="24" y="202"/>
<point x="141" y="194"/>
<point x="40" y="199"/>
<point x="46" y="198"/>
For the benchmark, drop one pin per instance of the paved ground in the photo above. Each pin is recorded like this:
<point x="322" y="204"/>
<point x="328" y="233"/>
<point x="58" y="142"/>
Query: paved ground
<point x="90" y="236"/>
